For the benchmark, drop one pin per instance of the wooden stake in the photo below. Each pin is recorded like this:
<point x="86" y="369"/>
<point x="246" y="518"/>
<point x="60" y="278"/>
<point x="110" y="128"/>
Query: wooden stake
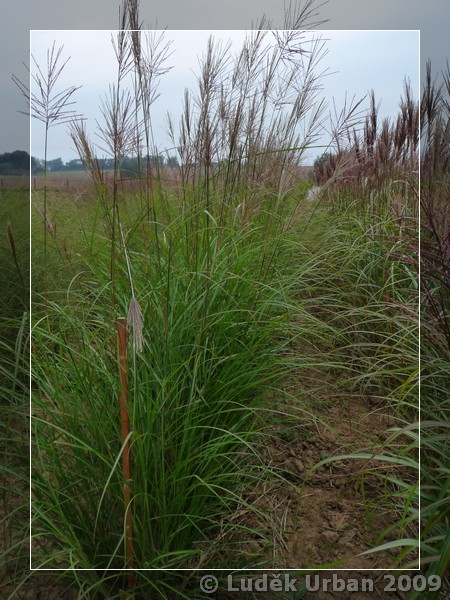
<point x="125" y="430"/>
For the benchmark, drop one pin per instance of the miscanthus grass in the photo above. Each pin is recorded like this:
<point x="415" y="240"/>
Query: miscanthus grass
<point x="381" y="319"/>
<point x="201" y="275"/>
<point x="203" y="270"/>
<point x="210" y="350"/>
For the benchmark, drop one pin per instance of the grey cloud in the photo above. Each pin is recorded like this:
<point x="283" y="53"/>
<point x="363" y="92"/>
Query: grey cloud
<point x="20" y="16"/>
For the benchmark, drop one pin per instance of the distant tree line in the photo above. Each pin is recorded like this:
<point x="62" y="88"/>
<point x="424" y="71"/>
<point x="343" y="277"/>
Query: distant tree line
<point x="14" y="163"/>
<point x="18" y="163"/>
<point x="130" y="166"/>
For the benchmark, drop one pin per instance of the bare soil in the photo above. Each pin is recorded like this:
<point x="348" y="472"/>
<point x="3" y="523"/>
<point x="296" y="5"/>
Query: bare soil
<point x="326" y="521"/>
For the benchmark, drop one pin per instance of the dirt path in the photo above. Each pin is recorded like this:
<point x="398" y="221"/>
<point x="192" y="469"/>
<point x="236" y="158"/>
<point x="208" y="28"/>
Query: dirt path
<point x="326" y="521"/>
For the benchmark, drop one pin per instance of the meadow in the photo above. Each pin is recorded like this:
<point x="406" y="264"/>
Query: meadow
<point x="260" y="409"/>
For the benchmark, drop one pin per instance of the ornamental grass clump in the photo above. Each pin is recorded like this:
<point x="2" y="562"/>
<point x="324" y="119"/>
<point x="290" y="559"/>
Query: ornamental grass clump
<point x="209" y="281"/>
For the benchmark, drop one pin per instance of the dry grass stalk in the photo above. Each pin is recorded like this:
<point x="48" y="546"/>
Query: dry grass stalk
<point x="13" y="247"/>
<point x="50" y="108"/>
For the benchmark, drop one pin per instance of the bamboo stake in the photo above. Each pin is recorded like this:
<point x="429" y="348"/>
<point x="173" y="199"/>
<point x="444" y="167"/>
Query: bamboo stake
<point x="125" y="430"/>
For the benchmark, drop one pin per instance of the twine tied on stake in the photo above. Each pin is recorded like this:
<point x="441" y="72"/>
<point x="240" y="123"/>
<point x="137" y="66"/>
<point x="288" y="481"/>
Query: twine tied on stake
<point x="135" y="320"/>
<point x="136" y="323"/>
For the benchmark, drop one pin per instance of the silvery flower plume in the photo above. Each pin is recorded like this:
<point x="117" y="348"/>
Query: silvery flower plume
<point x="134" y="318"/>
<point x="136" y="323"/>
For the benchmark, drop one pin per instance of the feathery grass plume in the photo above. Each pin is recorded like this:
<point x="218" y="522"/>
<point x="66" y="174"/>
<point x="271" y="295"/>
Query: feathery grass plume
<point x="136" y="323"/>
<point x="48" y="106"/>
<point x="117" y="132"/>
<point x="45" y="104"/>
<point x="298" y="15"/>
<point x="246" y="126"/>
<point x="12" y="244"/>
<point x="86" y="152"/>
<point x="135" y="320"/>
<point x="380" y="158"/>
<point x="150" y="52"/>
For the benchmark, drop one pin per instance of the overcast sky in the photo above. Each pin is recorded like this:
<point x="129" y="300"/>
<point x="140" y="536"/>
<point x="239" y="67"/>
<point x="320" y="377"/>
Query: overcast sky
<point x="356" y="62"/>
<point x="20" y="16"/>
